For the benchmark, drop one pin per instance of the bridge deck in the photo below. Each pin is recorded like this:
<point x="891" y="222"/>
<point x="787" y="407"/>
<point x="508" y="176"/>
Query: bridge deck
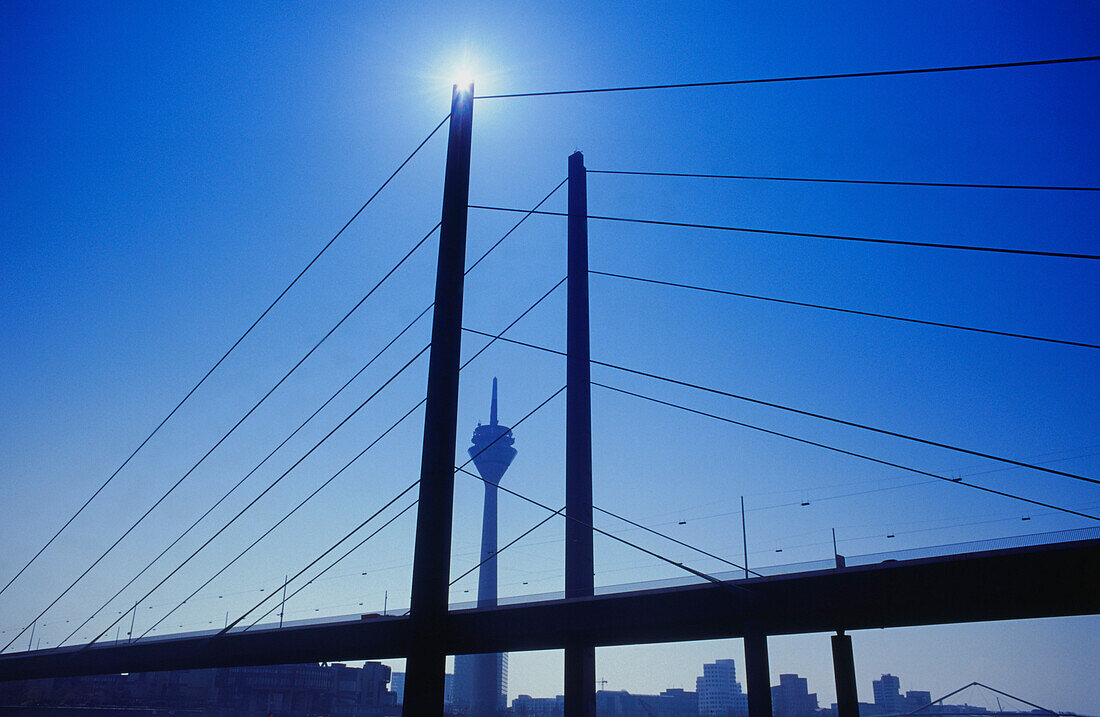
<point x="1030" y="582"/>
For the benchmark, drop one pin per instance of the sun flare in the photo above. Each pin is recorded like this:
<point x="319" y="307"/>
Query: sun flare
<point x="463" y="77"/>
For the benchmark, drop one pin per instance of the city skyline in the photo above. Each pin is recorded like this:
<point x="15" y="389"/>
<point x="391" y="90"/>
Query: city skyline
<point x="975" y="654"/>
<point x="373" y="690"/>
<point x="890" y="694"/>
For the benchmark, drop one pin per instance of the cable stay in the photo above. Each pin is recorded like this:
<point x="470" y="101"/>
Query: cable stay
<point x="822" y="180"/>
<point x="274" y="483"/>
<point x="338" y="473"/>
<point x="712" y="555"/>
<point x="553" y="512"/>
<point x="225" y="355"/>
<point x="861" y="456"/>
<point x="462" y="469"/>
<point x="375" y="514"/>
<point x="697" y="573"/>
<point x="674" y="540"/>
<point x="248" y="475"/>
<point x="348" y="536"/>
<point x="351" y="550"/>
<point x="547" y="519"/>
<point x="795" y="78"/>
<point x="277" y="523"/>
<point x="809" y="414"/>
<point x="302" y="425"/>
<point x="845" y="311"/>
<point x="838" y="496"/>
<point x="228" y="433"/>
<point x="848" y="484"/>
<point x="808" y="235"/>
<point x="509" y="544"/>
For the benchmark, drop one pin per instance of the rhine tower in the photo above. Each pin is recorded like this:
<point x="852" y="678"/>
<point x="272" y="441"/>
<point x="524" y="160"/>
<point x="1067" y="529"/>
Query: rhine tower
<point x="481" y="680"/>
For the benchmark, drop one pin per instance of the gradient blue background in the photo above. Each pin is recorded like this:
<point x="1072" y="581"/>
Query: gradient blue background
<point x="169" y="167"/>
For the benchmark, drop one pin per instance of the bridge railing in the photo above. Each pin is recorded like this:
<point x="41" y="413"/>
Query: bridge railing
<point x="934" y="551"/>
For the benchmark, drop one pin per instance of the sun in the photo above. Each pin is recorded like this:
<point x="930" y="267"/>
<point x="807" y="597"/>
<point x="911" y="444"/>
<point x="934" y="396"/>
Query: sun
<point x="461" y="70"/>
<point x="463" y="77"/>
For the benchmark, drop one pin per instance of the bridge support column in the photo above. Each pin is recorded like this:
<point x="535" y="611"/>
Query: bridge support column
<point x="844" y="672"/>
<point x="580" y="659"/>
<point x="425" y="665"/>
<point x="757" y="674"/>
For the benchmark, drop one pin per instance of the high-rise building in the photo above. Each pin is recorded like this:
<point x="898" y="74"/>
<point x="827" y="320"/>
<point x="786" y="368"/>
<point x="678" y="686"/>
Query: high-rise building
<point x="481" y="681"/>
<point x="792" y="698"/>
<point x="888" y="697"/>
<point x="397" y="686"/>
<point x="719" y="692"/>
<point x="463" y="687"/>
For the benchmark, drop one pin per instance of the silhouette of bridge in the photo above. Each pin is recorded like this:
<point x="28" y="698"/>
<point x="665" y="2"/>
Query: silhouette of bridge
<point x="1050" y="578"/>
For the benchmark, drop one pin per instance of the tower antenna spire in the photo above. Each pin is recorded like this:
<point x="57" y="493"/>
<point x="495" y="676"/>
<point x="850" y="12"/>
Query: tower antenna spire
<point x="493" y="407"/>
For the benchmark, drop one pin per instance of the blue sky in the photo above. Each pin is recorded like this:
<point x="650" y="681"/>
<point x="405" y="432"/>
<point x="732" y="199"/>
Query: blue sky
<point x="169" y="169"/>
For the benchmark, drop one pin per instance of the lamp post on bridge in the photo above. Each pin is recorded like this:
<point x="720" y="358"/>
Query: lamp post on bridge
<point x="844" y="663"/>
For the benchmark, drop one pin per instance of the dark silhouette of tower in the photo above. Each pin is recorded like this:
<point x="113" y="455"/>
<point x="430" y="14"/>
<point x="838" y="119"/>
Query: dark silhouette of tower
<point x="485" y="675"/>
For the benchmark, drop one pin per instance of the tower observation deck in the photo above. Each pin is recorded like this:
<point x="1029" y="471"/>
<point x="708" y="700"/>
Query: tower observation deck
<point x="492" y="459"/>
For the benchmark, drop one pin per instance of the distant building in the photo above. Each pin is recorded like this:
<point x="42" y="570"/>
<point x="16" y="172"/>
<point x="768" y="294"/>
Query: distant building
<point x="335" y="690"/>
<point x="464" y="681"/>
<point x="915" y="699"/>
<point x="528" y="706"/>
<point x="675" y="701"/>
<point x="670" y="703"/>
<point x="791" y="698"/>
<point x="888" y="697"/>
<point x="397" y="686"/>
<point x="719" y="692"/>
<point x="617" y="703"/>
<point x="614" y="703"/>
